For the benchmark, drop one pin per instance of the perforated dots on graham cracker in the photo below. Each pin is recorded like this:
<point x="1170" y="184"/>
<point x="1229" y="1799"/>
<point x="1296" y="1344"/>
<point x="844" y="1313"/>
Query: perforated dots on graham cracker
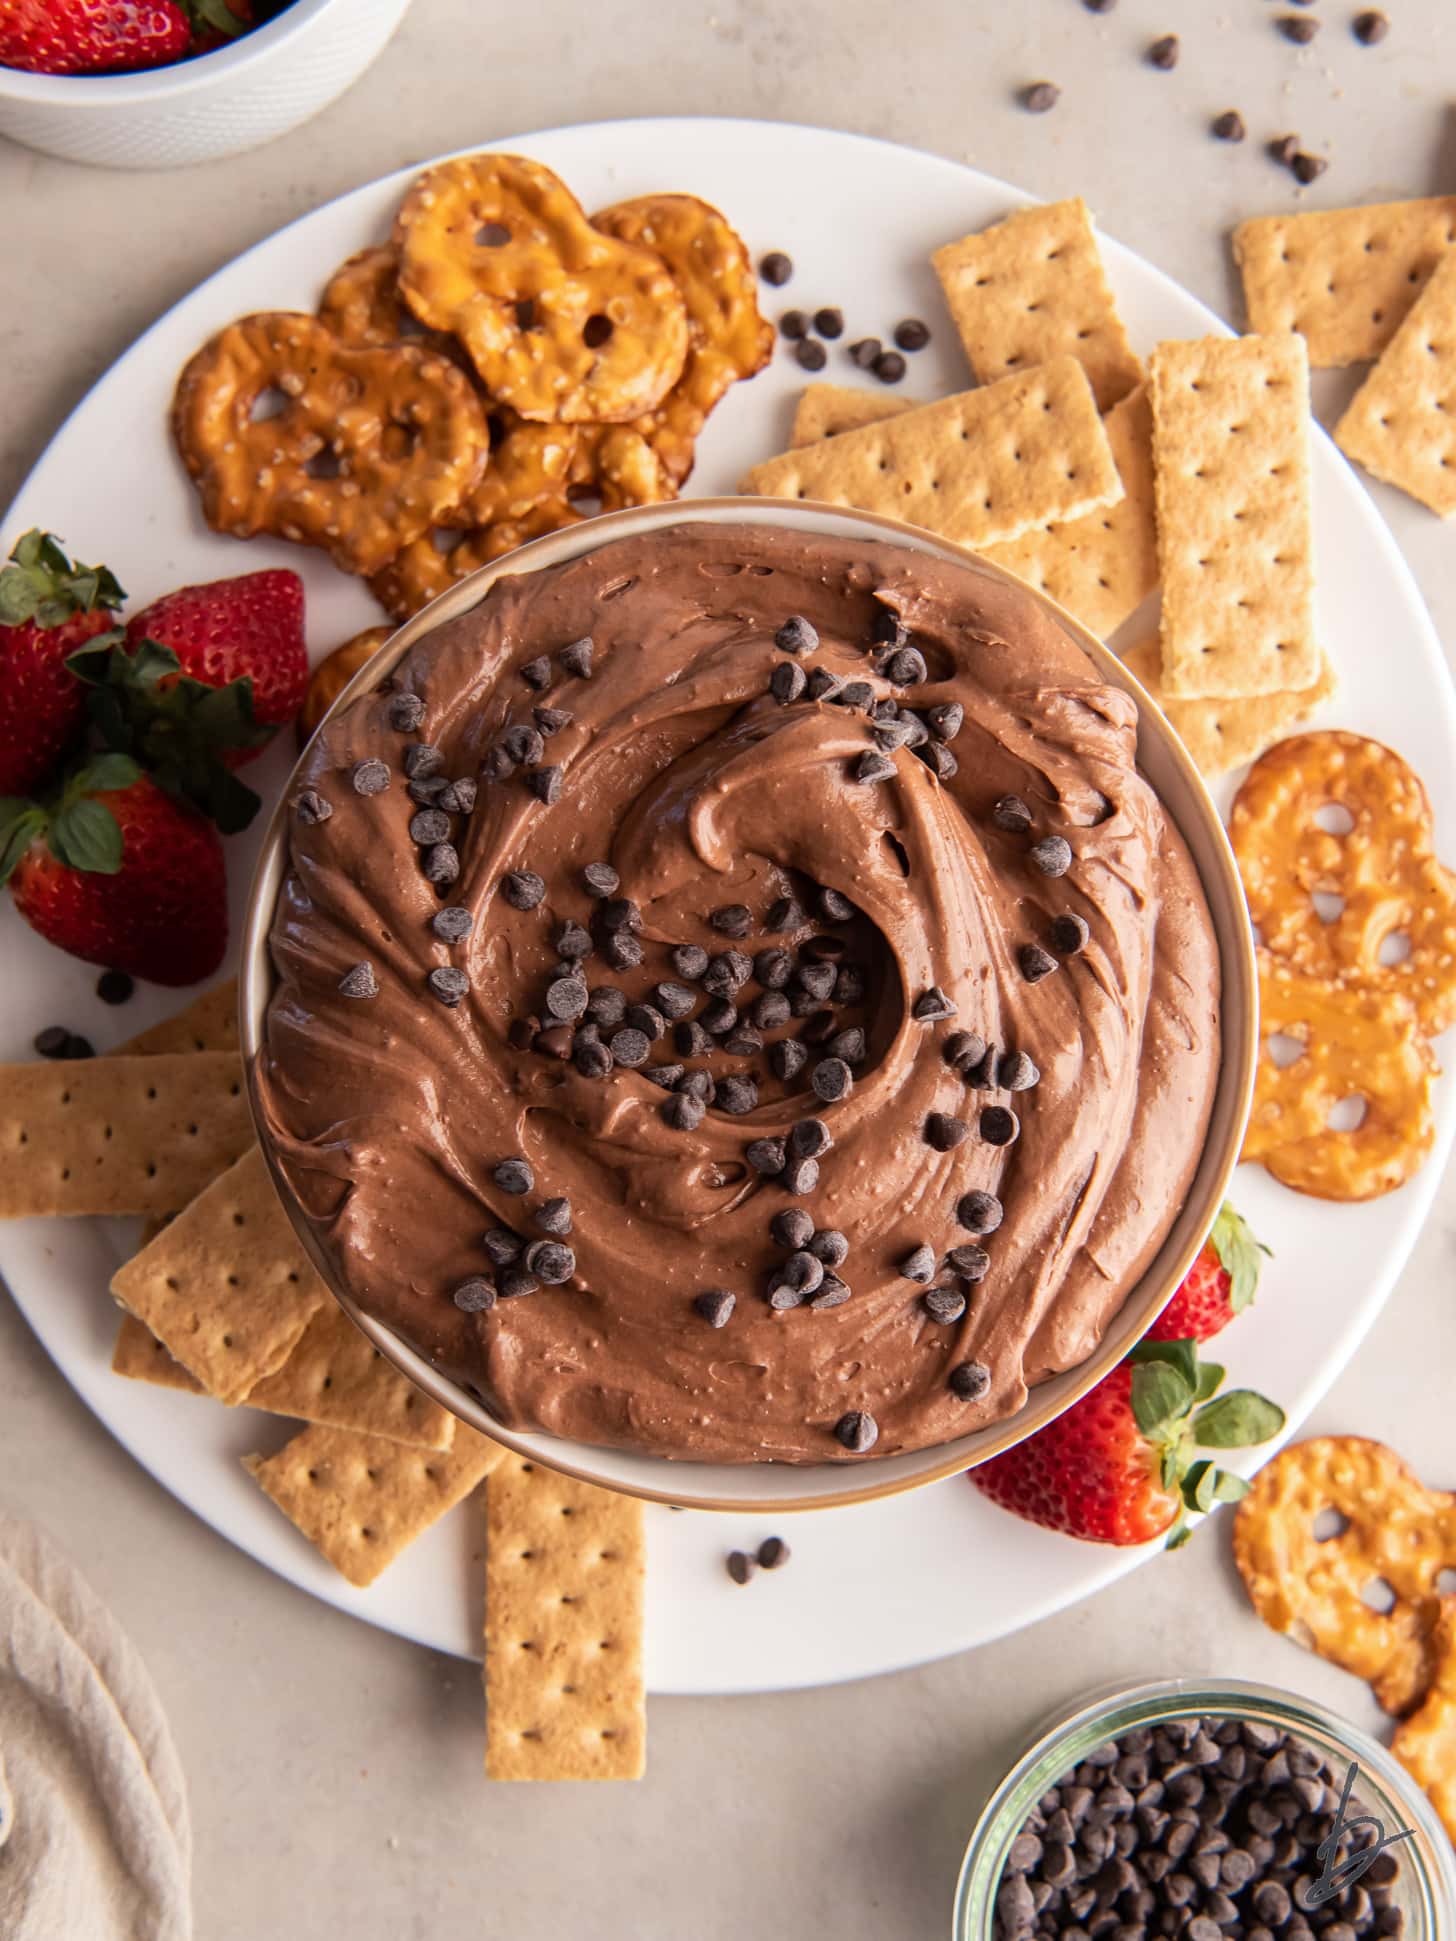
<point x="1033" y="288"/>
<point x="565" y="1568"/>
<point x="1231" y="459"/>
<point x="825" y="410"/>
<point x="209" y="1023"/>
<point x="118" y="1135"/>
<point x="1345" y="279"/>
<point x="1401" y="423"/>
<point x="979" y="467"/>
<point x="1225" y="733"/>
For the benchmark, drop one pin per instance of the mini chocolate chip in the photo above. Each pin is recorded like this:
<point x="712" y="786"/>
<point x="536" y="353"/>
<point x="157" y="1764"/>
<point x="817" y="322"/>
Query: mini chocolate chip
<point x="740" y="1567"/>
<point x="513" y="1176"/>
<point x="848" y="1045"/>
<point x="829" y="322"/>
<point x="830" y="1246"/>
<point x="911" y="334"/>
<point x="944" y="1304"/>
<point x="369" y="777"/>
<point x="849" y="985"/>
<point x="983" y="1075"/>
<point x="515" y="1283"/>
<point x="1308" y="167"/>
<point x="1164" y="53"/>
<point x="969" y="1382"/>
<point x="1041" y="97"/>
<point x="1016" y="1072"/>
<point x="1052" y="855"/>
<point x="793" y="324"/>
<point x="797" y="635"/>
<point x="736" y="1094"/>
<point x="405" y="713"/>
<point x="773" y="1553"/>
<point x="787" y="682"/>
<point x="831" y="1079"/>
<point x="831" y="1292"/>
<point x="810" y="355"/>
<point x="999" y="1125"/>
<point x="810" y="1139"/>
<point x="550" y="1262"/>
<point x="889" y="367"/>
<point x="115" y="986"/>
<point x="770" y="1010"/>
<point x="857" y="1430"/>
<point x="647" y="1019"/>
<point x="946" y="719"/>
<point x="817" y="978"/>
<point x="522" y="889"/>
<point x="834" y="905"/>
<point x="312" y="808"/>
<point x="765" y="1156"/>
<point x="1012" y="815"/>
<point x="496" y="765"/>
<point x="919" y="1264"/>
<point x="1069" y="934"/>
<point x="906" y="667"/>
<point x="727" y="973"/>
<point x="663" y="1076"/>
<point x="699" y="1085"/>
<point x="979" y="1212"/>
<point x="554" y="1216"/>
<point x="441" y="863"/>
<point x="545" y="784"/>
<point x="732" y="919"/>
<point x="631" y="1047"/>
<point x="856" y="694"/>
<point x="523" y="744"/>
<point x="962" y="1050"/>
<point x="427" y="790"/>
<point x="458" y="797"/>
<point x="429" y="826"/>
<point x="537" y="673"/>
<point x="800" y="1176"/>
<point x="502" y="1246"/>
<point x="932" y="1006"/>
<point x="1099" y="6"/>
<point x="422" y="760"/>
<point x="448" y="984"/>
<point x="938" y="757"/>
<point x="971" y="1263"/>
<point x="776" y="268"/>
<point x="872" y="766"/>
<point x="576" y="657"/>
<point x="683" y="1112"/>
<point x="551" y="721"/>
<point x="865" y="351"/>
<point x="475" y="1296"/>
<point x="567" y="997"/>
<point x="1297" y="27"/>
<point x="1283" y="149"/>
<point x="622" y="950"/>
<point x="945" y="1133"/>
<point x="1035" y="963"/>
<point x="1229" y="126"/>
<point x="824" y="686"/>
<point x="606" y="1005"/>
<point x="1370" y="28"/>
<point x="360" y="981"/>
<point x="787" y="1059"/>
<point x="690" y="1040"/>
<point x="719" y="1017"/>
<point x="572" y="941"/>
<point x="716" y="1305"/>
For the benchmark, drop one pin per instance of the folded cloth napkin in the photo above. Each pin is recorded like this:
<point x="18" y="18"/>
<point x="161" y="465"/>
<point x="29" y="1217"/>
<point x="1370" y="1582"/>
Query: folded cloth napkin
<point x="95" y="1840"/>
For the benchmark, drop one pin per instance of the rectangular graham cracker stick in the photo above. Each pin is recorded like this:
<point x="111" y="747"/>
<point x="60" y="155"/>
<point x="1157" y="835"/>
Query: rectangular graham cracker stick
<point x="225" y="1287"/>
<point x="1235" y="547"/>
<point x="1032" y="288"/>
<point x="210" y="1023"/>
<point x="1104" y="565"/>
<point x="1343" y="278"/>
<point x="981" y="467"/>
<point x="118" y="1135"/>
<point x="1400" y="424"/>
<point x="564" y="1572"/>
<point x="824" y="410"/>
<point x="1225" y="734"/>
<point x="361" y="1500"/>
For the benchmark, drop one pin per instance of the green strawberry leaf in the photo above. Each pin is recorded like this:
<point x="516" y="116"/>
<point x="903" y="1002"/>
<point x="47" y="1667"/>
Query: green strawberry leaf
<point x="42" y="586"/>
<point x="1200" y="1485"/>
<point x="1178" y="1535"/>
<point x="1182" y="1355"/>
<point x="1210" y="1374"/>
<point x="1237" y="1420"/>
<point x="1230" y="1489"/>
<point x="216" y="14"/>
<point x="1239" y="1251"/>
<point x="102" y="773"/>
<point x="1161" y="1395"/>
<point x="20" y="823"/>
<point x="85" y="835"/>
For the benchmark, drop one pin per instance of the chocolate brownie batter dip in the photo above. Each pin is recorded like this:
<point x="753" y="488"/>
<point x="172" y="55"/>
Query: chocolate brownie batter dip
<point x="738" y="999"/>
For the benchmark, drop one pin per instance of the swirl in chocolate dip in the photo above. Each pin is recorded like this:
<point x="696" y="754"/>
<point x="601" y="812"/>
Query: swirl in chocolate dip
<point x="990" y="959"/>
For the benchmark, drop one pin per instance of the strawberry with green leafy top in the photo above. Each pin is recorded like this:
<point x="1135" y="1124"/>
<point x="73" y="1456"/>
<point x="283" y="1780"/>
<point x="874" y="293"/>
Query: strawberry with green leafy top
<point x="1220" y="1284"/>
<point x="49" y="606"/>
<point x="1121" y="1465"/>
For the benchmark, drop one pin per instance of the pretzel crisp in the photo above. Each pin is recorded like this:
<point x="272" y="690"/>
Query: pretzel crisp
<point x="333" y="675"/>
<point x="561" y="321"/>
<point x="1425" y="1744"/>
<point x="1356" y="1044"/>
<point x="727" y="335"/>
<point x="1384" y="869"/>
<point x="362" y="305"/>
<point x="366" y="450"/>
<point x="424" y="570"/>
<point x="1396" y="1532"/>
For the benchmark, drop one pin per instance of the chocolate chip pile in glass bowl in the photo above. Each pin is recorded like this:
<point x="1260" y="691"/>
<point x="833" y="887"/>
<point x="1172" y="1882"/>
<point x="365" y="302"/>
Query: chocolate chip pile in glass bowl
<point x="1199" y="1811"/>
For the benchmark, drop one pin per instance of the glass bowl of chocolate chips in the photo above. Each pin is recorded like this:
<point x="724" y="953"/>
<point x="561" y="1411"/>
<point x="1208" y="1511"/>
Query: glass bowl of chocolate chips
<point x="1204" y="1810"/>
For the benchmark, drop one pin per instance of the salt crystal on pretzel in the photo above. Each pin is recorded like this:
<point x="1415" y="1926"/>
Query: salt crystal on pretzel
<point x="365" y="451"/>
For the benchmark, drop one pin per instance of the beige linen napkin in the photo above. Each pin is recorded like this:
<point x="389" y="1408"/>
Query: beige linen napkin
<point x="94" y="1833"/>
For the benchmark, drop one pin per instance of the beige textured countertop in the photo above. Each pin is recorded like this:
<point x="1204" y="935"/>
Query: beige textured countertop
<point x="335" y="1771"/>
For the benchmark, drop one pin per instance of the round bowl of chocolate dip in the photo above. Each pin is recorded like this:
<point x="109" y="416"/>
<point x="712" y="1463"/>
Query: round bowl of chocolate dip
<point x="749" y="1005"/>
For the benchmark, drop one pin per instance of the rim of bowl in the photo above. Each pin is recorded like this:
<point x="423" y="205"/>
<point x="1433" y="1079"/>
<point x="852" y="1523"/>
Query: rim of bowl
<point x="1108" y="1711"/>
<point x="177" y="78"/>
<point x="1231" y="1101"/>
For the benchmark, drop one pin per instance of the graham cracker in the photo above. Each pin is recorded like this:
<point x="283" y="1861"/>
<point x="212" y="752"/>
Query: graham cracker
<point x="210" y="1023"/>
<point x="1399" y="424"/>
<point x="1224" y="734"/>
<point x="1033" y="288"/>
<point x="225" y="1287"/>
<point x="1103" y="566"/>
<point x="1231" y="459"/>
<point x="825" y="410"/>
<point x="564" y="1573"/>
<point x="141" y="1358"/>
<point x="361" y="1500"/>
<point x="118" y="1135"/>
<point x="980" y="467"/>
<point x="1345" y="279"/>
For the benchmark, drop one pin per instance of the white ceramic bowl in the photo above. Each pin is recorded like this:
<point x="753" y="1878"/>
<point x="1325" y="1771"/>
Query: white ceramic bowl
<point x="773" y="1487"/>
<point x="237" y="97"/>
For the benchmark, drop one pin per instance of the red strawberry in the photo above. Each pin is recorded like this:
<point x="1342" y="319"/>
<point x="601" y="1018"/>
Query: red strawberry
<point x="1118" y="1466"/>
<point x="117" y="873"/>
<point x="49" y="606"/>
<point x="244" y="629"/>
<point x="1219" y="1284"/>
<point x="91" y="36"/>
